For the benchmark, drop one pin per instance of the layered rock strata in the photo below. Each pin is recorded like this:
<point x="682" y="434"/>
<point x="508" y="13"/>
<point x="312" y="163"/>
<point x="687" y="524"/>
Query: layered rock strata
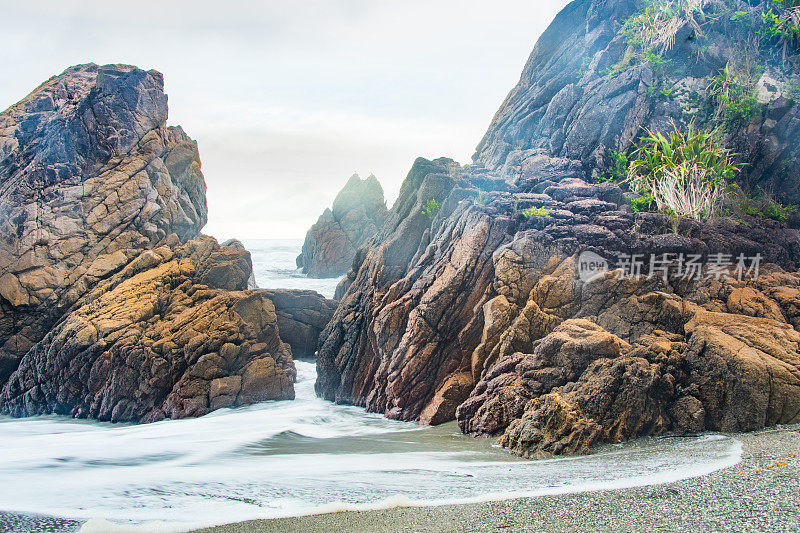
<point x="481" y="311"/>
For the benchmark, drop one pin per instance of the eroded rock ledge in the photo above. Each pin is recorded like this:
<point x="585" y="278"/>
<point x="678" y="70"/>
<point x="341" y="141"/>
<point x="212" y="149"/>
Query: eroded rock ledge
<point x="173" y="334"/>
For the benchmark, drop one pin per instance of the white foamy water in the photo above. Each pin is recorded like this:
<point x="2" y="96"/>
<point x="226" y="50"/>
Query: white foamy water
<point x="296" y="457"/>
<point x="275" y="268"/>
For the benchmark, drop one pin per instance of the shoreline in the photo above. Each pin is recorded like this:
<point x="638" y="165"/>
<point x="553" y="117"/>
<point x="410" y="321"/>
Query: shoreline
<point x="759" y="493"/>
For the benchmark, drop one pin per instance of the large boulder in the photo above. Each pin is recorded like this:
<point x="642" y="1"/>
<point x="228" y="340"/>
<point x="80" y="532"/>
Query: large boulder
<point x="331" y="244"/>
<point x="302" y="315"/>
<point x="112" y="305"/>
<point x="166" y="337"/>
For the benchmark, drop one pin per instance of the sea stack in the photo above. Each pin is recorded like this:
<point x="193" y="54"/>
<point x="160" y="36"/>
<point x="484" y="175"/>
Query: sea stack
<point x="331" y="244"/>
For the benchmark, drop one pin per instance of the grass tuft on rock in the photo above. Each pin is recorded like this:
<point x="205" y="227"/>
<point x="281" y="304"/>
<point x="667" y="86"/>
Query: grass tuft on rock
<point x="685" y="173"/>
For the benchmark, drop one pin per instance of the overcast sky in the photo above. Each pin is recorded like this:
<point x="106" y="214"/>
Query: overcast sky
<point x="288" y="98"/>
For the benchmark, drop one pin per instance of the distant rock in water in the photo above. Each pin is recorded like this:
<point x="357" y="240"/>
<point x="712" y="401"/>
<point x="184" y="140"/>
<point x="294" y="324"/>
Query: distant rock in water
<point x="112" y="305"/>
<point x="478" y="309"/>
<point x="331" y="244"/>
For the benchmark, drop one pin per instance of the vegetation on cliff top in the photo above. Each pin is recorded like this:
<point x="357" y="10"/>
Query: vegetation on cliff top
<point x="692" y="170"/>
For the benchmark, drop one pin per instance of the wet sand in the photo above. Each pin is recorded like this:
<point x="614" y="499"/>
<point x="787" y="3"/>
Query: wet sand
<point x="761" y="493"/>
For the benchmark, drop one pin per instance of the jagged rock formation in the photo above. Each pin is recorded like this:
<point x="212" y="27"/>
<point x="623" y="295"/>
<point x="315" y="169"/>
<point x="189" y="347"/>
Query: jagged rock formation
<point x="88" y="173"/>
<point x="173" y="334"/>
<point x="480" y="314"/>
<point x="331" y="244"/>
<point x="582" y="93"/>
<point x="112" y="305"/>
<point x="302" y="315"/>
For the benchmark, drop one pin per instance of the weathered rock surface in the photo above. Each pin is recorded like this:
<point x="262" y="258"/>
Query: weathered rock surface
<point x="89" y="175"/>
<point x="479" y="313"/>
<point x="580" y="96"/>
<point x="237" y="244"/>
<point x="112" y="305"/>
<point x="173" y="334"/>
<point x="331" y="244"/>
<point x="302" y="315"/>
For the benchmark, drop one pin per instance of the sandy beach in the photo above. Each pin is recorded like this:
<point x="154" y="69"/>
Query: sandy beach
<point x="758" y="494"/>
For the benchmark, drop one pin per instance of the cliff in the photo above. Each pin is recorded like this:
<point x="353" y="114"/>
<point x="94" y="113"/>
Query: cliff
<point x="330" y="246"/>
<point x="473" y="300"/>
<point x="112" y="305"/>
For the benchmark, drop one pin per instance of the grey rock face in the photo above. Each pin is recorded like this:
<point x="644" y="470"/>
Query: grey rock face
<point x="578" y="97"/>
<point x="330" y="246"/>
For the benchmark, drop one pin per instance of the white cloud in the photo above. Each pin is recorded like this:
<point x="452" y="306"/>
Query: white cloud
<point x="287" y="99"/>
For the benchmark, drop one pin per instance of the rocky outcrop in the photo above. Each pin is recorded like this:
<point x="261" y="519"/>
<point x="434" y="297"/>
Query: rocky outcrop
<point x="586" y="90"/>
<point x="173" y="334"/>
<point x="436" y="308"/>
<point x="331" y="244"/>
<point x="237" y="245"/>
<point x="302" y="315"/>
<point x="112" y="305"/>
<point x="89" y="174"/>
<point x="481" y="311"/>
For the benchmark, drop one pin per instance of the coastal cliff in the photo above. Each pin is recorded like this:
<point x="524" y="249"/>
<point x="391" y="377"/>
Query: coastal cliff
<point x="331" y="244"/>
<point x="472" y="303"/>
<point x="112" y="304"/>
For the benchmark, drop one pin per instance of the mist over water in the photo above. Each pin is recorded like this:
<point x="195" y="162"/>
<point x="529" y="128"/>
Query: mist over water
<point x="275" y="268"/>
<point x="295" y="457"/>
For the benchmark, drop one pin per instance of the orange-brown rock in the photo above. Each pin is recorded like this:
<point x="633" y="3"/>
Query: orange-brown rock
<point x="174" y="334"/>
<point x="111" y="304"/>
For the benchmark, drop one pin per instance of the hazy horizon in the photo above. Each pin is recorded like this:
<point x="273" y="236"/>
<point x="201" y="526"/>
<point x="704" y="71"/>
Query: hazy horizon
<point x="288" y="100"/>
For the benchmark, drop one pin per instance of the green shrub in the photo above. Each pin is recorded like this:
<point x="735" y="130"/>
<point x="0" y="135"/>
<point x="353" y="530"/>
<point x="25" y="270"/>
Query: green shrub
<point x="537" y="212"/>
<point x="642" y="203"/>
<point x="733" y="91"/>
<point x="618" y="171"/>
<point x="763" y="205"/>
<point x="652" y="29"/>
<point x="431" y="207"/>
<point x="685" y="174"/>
<point x="778" y="27"/>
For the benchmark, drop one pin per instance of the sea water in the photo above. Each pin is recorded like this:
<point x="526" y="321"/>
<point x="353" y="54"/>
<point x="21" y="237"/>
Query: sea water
<point x="296" y="457"/>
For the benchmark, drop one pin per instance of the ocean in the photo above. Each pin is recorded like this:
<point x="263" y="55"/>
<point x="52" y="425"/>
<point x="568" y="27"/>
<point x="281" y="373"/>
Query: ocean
<point x="289" y="458"/>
